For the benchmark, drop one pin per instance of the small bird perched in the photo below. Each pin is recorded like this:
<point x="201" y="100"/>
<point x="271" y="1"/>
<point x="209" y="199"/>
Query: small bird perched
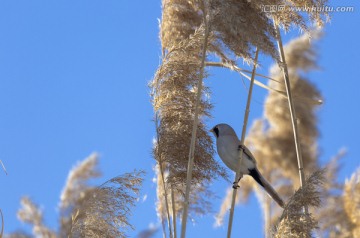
<point x="229" y="147"/>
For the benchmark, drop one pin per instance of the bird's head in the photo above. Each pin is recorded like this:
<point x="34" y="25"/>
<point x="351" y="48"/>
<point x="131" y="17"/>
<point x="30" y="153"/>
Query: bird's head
<point x="222" y="130"/>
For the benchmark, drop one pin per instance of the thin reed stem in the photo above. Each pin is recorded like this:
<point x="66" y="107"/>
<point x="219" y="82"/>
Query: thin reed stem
<point x="246" y="117"/>
<point x="291" y="106"/>
<point x="195" y="125"/>
<point x="163" y="227"/>
<point x="237" y="69"/>
<point x="267" y="215"/>
<point x="173" y="211"/>
<point x="2" y="224"/>
<point x="283" y="93"/>
<point x="166" y="201"/>
<point x="162" y="176"/>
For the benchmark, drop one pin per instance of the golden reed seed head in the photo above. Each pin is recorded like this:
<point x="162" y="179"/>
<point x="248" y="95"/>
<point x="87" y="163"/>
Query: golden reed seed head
<point x="352" y="202"/>
<point x="301" y="57"/>
<point x="174" y="97"/>
<point x="294" y="223"/>
<point x="237" y="25"/>
<point x="30" y="213"/>
<point x="105" y="210"/>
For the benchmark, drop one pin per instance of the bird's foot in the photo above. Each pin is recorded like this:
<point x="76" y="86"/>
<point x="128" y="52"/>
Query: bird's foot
<point x="241" y="147"/>
<point x="235" y="185"/>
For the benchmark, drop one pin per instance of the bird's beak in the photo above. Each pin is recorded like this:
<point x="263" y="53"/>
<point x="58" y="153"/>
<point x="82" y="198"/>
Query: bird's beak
<point x="212" y="130"/>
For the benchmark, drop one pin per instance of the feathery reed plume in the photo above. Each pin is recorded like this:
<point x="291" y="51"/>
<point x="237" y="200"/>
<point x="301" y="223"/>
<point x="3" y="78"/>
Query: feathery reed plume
<point x="75" y="190"/>
<point x="106" y="209"/>
<point x="180" y="102"/>
<point x="352" y="202"/>
<point x="306" y="119"/>
<point x="239" y="26"/>
<point x="173" y="100"/>
<point x="296" y="13"/>
<point x="174" y="86"/>
<point x="332" y="173"/>
<point x="199" y="92"/>
<point x="88" y="211"/>
<point x="198" y="200"/>
<point x="294" y="223"/>
<point x="30" y="213"/>
<point x="179" y="20"/>
<point x="277" y="142"/>
<point x="301" y="58"/>
<point x="278" y="21"/>
<point x="332" y="217"/>
<point x="232" y="25"/>
<point x="78" y="178"/>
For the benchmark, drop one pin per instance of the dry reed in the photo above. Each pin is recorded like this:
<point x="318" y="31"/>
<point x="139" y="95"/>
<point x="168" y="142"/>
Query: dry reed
<point x="294" y="223"/>
<point x="351" y="199"/>
<point x="30" y="213"/>
<point x="105" y="210"/>
<point x="75" y="189"/>
<point x="174" y="98"/>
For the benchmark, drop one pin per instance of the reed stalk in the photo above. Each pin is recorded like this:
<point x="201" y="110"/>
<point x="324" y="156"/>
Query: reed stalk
<point x="173" y="211"/>
<point x="2" y="224"/>
<point x="246" y="117"/>
<point x="162" y="177"/>
<point x="291" y="105"/>
<point x="267" y="215"/>
<point x="195" y="124"/>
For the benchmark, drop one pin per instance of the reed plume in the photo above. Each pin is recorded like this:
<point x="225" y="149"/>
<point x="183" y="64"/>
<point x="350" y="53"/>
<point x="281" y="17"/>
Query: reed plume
<point x="75" y="189"/>
<point x="301" y="59"/>
<point x="352" y="202"/>
<point x="294" y="223"/>
<point x="174" y="102"/>
<point x="105" y="210"/>
<point x="30" y="213"/>
<point x="239" y="27"/>
<point x="283" y="64"/>
<point x="182" y="35"/>
<point x="333" y="220"/>
<point x="85" y="210"/>
<point x="235" y="29"/>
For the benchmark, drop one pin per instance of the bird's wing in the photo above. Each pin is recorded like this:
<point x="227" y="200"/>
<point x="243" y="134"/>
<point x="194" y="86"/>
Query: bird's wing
<point x="247" y="152"/>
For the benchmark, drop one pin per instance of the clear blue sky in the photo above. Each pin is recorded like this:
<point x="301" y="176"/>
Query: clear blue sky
<point x="73" y="80"/>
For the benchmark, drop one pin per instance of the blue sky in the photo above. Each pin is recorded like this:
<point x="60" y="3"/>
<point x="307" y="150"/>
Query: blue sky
<point x="73" y="80"/>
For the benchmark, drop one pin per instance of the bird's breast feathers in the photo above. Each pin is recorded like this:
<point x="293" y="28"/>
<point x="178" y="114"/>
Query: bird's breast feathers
<point x="228" y="150"/>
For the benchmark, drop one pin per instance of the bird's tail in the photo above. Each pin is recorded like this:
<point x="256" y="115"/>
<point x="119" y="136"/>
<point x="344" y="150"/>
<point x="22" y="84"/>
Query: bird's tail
<point x="266" y="185"/>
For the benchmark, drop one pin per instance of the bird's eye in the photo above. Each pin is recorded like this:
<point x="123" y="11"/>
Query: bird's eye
<point x="216" y="130"/>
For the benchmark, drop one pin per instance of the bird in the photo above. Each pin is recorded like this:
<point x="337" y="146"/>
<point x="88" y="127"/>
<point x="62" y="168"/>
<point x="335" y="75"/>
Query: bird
<point x="229" y="148"/>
